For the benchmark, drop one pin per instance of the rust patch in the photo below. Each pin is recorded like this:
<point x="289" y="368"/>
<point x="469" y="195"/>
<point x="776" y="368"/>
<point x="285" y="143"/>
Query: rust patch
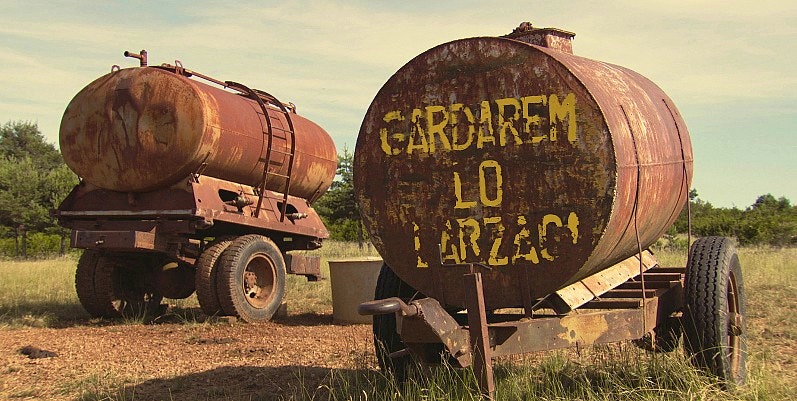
<point x="142" y="129"/>
<point x="521" y="157"/>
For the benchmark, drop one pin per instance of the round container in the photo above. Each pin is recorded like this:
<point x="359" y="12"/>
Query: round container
<point x="141" y="129"/>
<point x="540" y="164"/>
<point x="353" y="282"/>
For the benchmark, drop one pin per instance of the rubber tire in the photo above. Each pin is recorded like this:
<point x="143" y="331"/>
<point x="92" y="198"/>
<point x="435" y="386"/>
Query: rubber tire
<point x="386" y="338"/>
<point x="84" y="282"/>
<point x="114" y="286"/>
<point x="206" y="279"/>
<point x="234" y="263"/>
<point x="714" y="282"/>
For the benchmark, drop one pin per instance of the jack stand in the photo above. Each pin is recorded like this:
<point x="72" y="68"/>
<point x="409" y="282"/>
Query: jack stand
<point x="479" y="336"/>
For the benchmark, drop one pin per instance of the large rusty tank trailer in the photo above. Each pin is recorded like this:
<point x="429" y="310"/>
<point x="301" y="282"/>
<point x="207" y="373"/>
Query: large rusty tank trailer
<point x="508" y="177"/>
<point x="189" y="183"/>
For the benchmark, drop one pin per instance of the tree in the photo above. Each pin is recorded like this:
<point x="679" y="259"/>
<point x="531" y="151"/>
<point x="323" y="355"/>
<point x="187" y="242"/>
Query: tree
<point x="33" y="180"/>
<point x="21" y="139"/>
<point x="338" y="207"/>
<point x="58" y="183"/>
<point x="20" y="206"/>
<point x="769" y="221"/>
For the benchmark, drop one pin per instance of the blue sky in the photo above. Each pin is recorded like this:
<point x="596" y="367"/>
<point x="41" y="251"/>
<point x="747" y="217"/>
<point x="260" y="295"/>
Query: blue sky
<point x="728" y="65"/>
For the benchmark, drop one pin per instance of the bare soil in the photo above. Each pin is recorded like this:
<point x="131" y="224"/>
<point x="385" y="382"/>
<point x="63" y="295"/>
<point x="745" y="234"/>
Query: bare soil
<point x="181" y="361"/>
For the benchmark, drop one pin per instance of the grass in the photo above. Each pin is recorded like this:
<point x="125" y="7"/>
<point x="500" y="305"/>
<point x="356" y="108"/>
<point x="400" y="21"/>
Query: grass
<point x="621" y="371"/>
<point x="38" y="293"/>
<point x="310" y="297"/>
<point x="41" y="294"/>
<point x="618" y="372"/>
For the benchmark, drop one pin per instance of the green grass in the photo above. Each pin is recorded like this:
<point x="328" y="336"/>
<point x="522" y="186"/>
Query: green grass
<point x="617" y="372"/>
<point x="38" y="293"/>
<point x="314" y="297"/>
<point x="101" y="386"/>
<point x="620" y="371"/>
<point x="41" y="294"/>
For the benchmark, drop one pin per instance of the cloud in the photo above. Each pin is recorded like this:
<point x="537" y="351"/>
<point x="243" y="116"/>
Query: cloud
<point x="702" y="52"/>
<point x="332" y="57"/>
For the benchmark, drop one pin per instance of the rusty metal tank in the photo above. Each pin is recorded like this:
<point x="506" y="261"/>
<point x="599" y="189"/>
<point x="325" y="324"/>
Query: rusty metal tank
<point x="140" y="129"/>
<point x="513" y="153"/>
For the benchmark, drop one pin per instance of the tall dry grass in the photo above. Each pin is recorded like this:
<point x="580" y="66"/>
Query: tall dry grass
<point x="621" y="371"/>
<point x="38" y="293"/>
<point x="41" y="293"/>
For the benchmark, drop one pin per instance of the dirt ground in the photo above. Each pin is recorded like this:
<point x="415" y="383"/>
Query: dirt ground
<point x="220" y="360"/>
<point x="181" y="361"/>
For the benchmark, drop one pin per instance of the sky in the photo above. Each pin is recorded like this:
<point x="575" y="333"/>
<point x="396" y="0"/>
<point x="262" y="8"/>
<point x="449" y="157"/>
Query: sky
<point x="729" y="66"/>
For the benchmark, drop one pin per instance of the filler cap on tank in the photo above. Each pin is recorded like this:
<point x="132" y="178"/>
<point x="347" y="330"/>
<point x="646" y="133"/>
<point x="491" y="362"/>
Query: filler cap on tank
<point x="552" y="38"/>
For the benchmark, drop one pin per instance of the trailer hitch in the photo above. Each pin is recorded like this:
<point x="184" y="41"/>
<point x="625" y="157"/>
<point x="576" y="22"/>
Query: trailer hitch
<point x="421" y="323"/>
<point x="387" y="306"/>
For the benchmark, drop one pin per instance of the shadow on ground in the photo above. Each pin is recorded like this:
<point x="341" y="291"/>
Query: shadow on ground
<point x="59" y="315"/>
<point x="240" y="383"/>
<point x="43" y="314"/>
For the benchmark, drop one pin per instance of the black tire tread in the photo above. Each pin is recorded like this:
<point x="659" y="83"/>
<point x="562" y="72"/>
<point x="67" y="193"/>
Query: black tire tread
<point x="114" y="276"/>
<point x="230" y="295"/>
<point x="386" y="338"/>
<point x="206" y="279"/>
<point x="84" y="282"/>
<point x="106" y="295"/>
<point x="711" y="262"/>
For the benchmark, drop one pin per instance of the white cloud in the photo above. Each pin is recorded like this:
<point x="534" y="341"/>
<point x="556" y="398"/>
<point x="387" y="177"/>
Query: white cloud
<point x="331" y="58"/>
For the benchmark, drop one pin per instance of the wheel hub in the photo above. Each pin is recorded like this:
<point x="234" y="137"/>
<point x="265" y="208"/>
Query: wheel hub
<point x="258" y="281"/>
<point x="250" y="285"/>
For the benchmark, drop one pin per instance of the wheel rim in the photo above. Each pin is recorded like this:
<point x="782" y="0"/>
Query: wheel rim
<point x="259" y="280"/>
<point x="735" y="329"/>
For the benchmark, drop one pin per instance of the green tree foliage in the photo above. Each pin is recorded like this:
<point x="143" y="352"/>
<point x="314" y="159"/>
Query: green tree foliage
<point x="20" y="194"/>
<point x="338" y="207"/>
<point x="769" y="221"/>
<point x="33" y="180"/>
<point x="21" y="139"/>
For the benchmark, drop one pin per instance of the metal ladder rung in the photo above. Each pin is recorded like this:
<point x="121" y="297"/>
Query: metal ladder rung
<point x="277" y="136"/>
<point x="613" y="304"/>
<point x="629" y="293"/>
<point x="667" y="270"/>
<point x="288" y="136"/>
<point x="268" y="111"/>
<point x="272" y="163"/>
<point x="637" y="285"/>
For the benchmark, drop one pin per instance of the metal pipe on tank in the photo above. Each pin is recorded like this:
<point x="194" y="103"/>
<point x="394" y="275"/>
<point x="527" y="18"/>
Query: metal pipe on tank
<point x="141" y="56"/>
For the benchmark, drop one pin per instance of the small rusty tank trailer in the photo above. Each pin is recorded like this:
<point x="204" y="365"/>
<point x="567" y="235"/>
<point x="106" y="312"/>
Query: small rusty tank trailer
<point x="189" y="185"/>
<point x="505" y="174"/>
